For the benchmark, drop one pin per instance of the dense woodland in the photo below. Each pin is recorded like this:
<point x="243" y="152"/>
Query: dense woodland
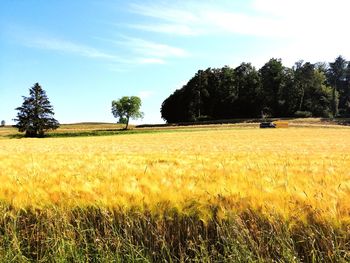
<point x="305" y="90"/>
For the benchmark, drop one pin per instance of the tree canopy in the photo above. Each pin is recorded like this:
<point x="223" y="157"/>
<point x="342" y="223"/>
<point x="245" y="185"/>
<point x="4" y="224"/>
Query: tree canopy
<point x="306" y="89"/>
<point x="127" y="108"/>
<point x="35" y="116"/>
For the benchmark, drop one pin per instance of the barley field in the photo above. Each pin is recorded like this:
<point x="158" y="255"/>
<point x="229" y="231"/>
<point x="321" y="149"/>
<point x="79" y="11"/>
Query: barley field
<point x="215" y="195"/>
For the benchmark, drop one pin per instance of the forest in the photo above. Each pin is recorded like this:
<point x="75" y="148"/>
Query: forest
<point x="304" y="90"/>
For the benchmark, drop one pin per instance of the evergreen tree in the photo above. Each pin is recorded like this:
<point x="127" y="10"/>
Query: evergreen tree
<point x="35" y="116"/>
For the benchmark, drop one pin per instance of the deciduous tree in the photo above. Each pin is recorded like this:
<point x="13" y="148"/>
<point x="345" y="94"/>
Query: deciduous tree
<point x="337" y="79"/>
<point x="127" y="108"/>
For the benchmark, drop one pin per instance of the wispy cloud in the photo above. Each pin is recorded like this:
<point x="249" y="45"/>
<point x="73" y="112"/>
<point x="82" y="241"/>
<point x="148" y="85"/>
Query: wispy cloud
<point x="313" y="29"/>
<point x="168" y="13"/>
<point x="149" y="61"/>
<point x="171" y="29"/>
<point x="194" y="18"/>
<point x="69" y="47"/>
<point x="152" y="49"/>
<point x="271" y="18"/>
<point x="141" y="51"/>
<point x="170" y="19"/>
<point x="134" y="51"/>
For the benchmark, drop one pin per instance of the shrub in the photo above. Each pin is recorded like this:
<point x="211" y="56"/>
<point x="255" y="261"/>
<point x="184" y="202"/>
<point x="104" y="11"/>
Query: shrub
<point x="303" y="114"/>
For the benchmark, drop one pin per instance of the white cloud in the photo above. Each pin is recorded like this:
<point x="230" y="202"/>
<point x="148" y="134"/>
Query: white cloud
<point x="140" y="51"/>
<point x="150" y="61"/>
<point x="276" y="18"/>
<point x="310" y="30"/>
<point x="152" y="49"/>
<point x="194" y="18"/>
<point x="145" y="94"/>
<point x="147" y="52"/>
<point x="68" y="47"/>
<point x="171" y="29"/>
<point x="165" y="12"/>
<point x="315" y="28"/>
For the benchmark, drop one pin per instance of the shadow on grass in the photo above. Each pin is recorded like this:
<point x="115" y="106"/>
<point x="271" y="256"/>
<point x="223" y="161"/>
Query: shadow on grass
<point x="14" y="136"/>
<point x="92" y="133"/>
<point x="340" y="121"/>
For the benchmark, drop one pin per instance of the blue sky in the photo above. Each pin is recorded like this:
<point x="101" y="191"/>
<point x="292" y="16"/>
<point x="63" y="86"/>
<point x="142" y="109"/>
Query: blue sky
<point x="86" y="53"/>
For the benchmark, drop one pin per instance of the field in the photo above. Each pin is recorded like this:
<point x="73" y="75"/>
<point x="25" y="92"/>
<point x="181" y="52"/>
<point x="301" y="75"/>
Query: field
<point x="236" y="194"/>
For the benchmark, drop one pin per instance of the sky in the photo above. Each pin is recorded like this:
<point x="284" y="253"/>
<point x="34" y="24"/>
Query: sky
<point x="86" y="53"/>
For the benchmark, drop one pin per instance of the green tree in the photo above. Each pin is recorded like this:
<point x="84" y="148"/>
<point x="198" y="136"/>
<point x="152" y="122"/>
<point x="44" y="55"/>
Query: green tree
<point x="315" y="98"/>
<point x="209" y="94"/>
<point x="35" y="116"/>
<point x="127" y="108"/>
<point x="244" y="92"/>
<point x="288" y="94"/>
<point x="225" y="93"/>
<point x="272" y="76"/>
<point x="247" y="85"/>
<point x="302" y="73"/>
<point x="346" y="95"/>
<point x="337" y="79"/>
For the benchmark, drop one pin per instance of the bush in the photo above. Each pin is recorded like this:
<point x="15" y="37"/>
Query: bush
<point x="344" y="113"/>
<point x="204" y="118"/>
<point x="303" y="114"/>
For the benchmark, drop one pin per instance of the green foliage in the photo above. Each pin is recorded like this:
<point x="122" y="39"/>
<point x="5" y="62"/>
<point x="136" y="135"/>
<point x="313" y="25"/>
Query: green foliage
<point x="125" y="108"/>
<point x="2" y="123"/>
<point x="272" y="82"/>
<point x="303" y="114"/>
<point x="339" y="78"/>
<point x="35" y="116"/>
<point x="216" y="94"/>
<point x="274" y="90"/>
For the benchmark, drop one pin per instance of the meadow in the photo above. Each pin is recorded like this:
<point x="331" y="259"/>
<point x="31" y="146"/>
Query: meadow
<point x="232" y="194"/>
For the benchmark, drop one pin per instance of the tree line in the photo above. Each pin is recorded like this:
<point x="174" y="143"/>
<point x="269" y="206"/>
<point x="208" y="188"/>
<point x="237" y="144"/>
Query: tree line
<point x="304" y="90"/>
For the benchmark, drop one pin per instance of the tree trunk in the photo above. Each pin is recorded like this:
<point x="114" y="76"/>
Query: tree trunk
<point x="301" y="99"/>
<point x="127" y="123"/>
<point x="334" y="102"/>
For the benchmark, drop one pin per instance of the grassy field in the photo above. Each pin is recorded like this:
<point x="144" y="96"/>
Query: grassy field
<point x="221" y="194"/>
<point x="103" y="129"/>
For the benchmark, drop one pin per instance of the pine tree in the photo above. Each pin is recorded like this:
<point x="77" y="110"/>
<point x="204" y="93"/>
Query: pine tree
<point x="35" y="116"/>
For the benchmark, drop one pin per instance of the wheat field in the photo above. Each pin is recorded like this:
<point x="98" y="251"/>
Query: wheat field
<point x="296" y="178"/>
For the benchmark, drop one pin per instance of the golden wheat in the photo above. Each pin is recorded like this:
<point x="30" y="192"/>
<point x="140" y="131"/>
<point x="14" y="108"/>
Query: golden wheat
<point x="287" y="172"/>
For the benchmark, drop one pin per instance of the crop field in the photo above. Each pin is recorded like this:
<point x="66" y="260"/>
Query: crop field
<point x="227" y="195"/>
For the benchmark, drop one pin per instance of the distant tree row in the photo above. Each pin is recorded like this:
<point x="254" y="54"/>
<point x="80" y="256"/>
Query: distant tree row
<point x="305" y="90"/>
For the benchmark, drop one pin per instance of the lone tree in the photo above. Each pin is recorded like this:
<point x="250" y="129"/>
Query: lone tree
<point x="126" y="108"/>
<point x="35" y="116"/>
<point x="2" y="123"/>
